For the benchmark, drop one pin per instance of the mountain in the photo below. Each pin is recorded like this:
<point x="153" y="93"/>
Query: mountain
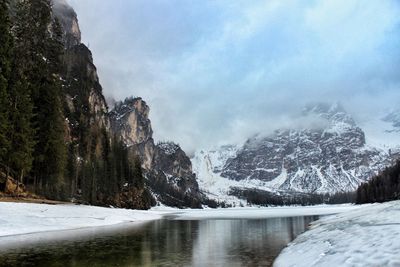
<point x="65" y="143"/>
<point x="168" y="175"/>
<point x="167" y="168"/>
<point x="328" y="155"/>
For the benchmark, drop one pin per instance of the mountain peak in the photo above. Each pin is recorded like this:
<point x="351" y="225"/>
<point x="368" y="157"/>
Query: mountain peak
<point x="324" y="108"/>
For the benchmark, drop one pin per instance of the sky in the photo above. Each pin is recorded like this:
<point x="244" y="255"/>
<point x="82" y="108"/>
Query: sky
<point x="217" y="72"/>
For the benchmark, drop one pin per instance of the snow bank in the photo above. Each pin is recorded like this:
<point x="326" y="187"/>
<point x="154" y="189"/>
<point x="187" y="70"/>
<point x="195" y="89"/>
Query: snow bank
<point x="368" y="236"/>
<point x="262" y="212"/>
<point x="26" y="218"/>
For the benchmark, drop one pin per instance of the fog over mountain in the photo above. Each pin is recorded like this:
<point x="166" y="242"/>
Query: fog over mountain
<point x="216" y="72"/>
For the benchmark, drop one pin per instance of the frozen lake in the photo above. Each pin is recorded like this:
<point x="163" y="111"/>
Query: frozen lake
<point x="167" y="242"/>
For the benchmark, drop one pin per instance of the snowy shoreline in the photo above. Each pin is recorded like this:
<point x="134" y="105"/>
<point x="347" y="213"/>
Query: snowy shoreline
<point x="368" y="236"/>
<point x="26" y="224"/>
<point x="29" y="218"/>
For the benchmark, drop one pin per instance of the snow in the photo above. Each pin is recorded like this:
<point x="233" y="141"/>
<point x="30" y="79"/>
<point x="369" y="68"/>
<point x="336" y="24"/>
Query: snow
<point x="279" y="180"/>
<point x="29" y="218"/>
<point x="26" y="218"/>
<point x="367" y="236"/>
<point x="261" y="212"/>
<point x="168" y="148"/>
<point x="380" y="133"/>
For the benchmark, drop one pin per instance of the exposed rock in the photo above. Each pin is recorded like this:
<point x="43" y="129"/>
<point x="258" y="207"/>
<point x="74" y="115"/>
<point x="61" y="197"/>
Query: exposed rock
<point x="10" y="186"/>
<point x="69" y="21"/>
<point x="167" y="167"/>
<point x="176" y="165"/>
<point x="84" y="97"/>
<point x="130" y="120"/>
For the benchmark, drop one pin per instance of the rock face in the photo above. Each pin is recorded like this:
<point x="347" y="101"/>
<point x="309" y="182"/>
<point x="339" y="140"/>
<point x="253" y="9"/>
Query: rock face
<point x="69" y="22"/>
<point x="176" y="166"/>
<point x="10" y="186"/>
<point x="85" y="103"/>
<point x="329" y="157"/>
<point x="130" y="120"/>
<point x="167" y="167"/>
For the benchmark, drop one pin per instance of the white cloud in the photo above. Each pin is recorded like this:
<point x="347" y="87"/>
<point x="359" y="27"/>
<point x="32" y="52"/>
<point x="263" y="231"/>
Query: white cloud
<point x="219" y="71"/>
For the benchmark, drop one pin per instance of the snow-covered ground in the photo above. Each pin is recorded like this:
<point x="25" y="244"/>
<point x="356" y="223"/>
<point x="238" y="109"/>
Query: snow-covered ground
<point x="262" y="212"/>
<point x="368" y="236"/>
<point x="365" y="235"/>
<point x="26" y="218"/>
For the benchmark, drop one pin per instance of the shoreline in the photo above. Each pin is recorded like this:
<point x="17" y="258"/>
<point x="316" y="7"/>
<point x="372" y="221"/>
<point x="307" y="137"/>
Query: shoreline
<point x="20" y="218"/>
<point x="367" y="236"/>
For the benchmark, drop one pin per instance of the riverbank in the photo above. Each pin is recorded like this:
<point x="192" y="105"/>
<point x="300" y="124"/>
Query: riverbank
<point x="368" y="236"/>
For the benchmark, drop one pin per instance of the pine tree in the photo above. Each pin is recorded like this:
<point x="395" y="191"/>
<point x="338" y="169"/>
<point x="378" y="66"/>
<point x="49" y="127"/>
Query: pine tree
<point x="21" y="132"/>
<point x="137" y="173"/>
<point x="39" y="44"/>
<point x="5" y="69"/>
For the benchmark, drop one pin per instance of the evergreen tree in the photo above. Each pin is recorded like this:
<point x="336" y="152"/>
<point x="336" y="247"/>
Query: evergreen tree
<point x="138" y="178"/>
<point x="5" y="68"/>
<point x="21" y="132"/>
<point x="39" y="44"/>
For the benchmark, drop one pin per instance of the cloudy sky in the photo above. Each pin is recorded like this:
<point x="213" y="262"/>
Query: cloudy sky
<point x="215" y="72"/>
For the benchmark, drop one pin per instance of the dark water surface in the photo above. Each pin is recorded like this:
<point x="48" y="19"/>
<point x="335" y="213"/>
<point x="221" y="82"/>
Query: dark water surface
<point x="241" y="242"/>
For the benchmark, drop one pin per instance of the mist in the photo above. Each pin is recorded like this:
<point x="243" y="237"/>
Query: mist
<point x="217" y="72"/>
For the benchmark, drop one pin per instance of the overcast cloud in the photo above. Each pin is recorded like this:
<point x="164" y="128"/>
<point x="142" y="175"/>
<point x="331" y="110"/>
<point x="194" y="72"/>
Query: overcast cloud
<point x="215" y="72"/>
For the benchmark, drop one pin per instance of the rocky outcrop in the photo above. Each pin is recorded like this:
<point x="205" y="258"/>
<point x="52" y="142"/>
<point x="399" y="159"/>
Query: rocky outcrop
<point x="69" y="22"/>
<point x="176" y="166"/>
<point x="167" y="167"/>
<point x="10" y="186"/>
<point x="130" y="121"/>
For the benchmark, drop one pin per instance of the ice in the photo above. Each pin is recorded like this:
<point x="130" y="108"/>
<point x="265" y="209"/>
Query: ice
<point x="259" y="212"/>
<point x="367" y="236"/>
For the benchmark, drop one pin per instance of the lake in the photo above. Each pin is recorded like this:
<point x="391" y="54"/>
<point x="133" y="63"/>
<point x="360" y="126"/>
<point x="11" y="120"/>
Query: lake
<point x="166" y="242"/>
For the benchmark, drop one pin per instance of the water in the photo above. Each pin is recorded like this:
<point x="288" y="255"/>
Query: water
<point x="213" y="242"/>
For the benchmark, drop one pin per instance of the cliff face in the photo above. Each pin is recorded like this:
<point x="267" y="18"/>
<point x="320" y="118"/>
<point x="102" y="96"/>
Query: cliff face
<point x="69" y="22"/>
<point x="130" y="120"/>
<point x="167" y="167"/>
<point x="85" y="106"/>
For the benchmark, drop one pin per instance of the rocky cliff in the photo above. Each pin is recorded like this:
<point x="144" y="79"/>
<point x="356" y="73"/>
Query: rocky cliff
<point x="69" y="22"/>
<point x="130" y="120"/>
<point x="168" y="169"/>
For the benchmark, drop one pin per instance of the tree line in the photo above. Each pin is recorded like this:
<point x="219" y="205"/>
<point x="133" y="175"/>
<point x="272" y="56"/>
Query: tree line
<point x="35" y="118"/>
<point x="381" y="188"/>
<point x="265" y="198"/>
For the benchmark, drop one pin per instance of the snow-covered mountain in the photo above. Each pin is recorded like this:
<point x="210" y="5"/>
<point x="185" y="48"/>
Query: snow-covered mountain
<point x="327" y="156"/>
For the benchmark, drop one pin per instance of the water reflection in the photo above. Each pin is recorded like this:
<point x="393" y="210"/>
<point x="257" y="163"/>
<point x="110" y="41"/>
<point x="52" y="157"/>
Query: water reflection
<point x="166" y="243"/>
